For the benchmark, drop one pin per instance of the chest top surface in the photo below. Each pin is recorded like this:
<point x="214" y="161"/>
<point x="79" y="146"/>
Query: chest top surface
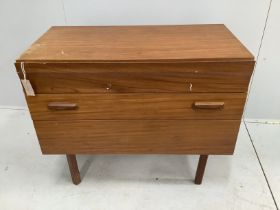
<point x="136" y="44"/>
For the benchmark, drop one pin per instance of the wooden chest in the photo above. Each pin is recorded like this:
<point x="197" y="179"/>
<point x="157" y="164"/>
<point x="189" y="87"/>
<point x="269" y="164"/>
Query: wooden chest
<point x="137" y="90"/>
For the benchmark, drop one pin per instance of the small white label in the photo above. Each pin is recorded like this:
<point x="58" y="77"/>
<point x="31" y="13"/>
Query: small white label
<point x="27" y="87"/>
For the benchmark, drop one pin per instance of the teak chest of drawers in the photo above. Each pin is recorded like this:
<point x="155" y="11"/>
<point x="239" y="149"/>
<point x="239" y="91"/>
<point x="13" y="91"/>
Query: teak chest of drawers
<point x="137" y="90"/>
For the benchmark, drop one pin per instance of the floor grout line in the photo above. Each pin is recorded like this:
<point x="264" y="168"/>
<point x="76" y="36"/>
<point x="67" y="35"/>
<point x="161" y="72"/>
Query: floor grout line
<point x="263" y="123"/>
<point x="259" y="160"/>
<point x="15" y="109"/>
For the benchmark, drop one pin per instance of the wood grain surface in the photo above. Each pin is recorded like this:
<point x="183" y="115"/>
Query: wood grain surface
<point x="136" y="43"/>
<point x="137" y="89"/>
<point x="209" y="105"/>
<point x="139" y="77"/>
<point x="136" y="106"/>
<point x="73" y="168"/>
<point x="200" y="169"/>
<point x="138" y="136"/>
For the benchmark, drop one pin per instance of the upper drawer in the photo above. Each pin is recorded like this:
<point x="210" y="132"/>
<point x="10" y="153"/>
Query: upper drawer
<point x="138" y="77"/>
<point x="136" y="106"/>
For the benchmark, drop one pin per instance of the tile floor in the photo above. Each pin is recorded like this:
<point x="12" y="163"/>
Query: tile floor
<point x="29" y="180"/>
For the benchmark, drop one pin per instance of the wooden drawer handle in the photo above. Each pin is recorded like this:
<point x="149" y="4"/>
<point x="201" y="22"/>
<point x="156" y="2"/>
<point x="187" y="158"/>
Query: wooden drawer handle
<point x="62" y="106"/>
<point x="208" y="105"/>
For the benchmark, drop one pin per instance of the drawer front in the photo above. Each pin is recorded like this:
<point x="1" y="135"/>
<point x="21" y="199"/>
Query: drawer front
<point x="138" y="136"/>
<point x="136" y="106"/>
<point x="139" y="77"/>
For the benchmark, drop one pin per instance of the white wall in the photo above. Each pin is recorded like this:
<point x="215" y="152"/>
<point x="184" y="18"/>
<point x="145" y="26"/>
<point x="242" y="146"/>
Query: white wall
<point x="23" y="21"/>
<point x="264" y="97"/>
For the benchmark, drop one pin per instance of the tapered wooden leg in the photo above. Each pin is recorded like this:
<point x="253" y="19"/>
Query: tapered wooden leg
<point x="74" y="170"/>
<point x="200" y="169"/>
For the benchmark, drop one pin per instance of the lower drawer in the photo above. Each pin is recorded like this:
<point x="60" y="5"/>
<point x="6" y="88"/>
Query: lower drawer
<point x="138" y="136"/>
